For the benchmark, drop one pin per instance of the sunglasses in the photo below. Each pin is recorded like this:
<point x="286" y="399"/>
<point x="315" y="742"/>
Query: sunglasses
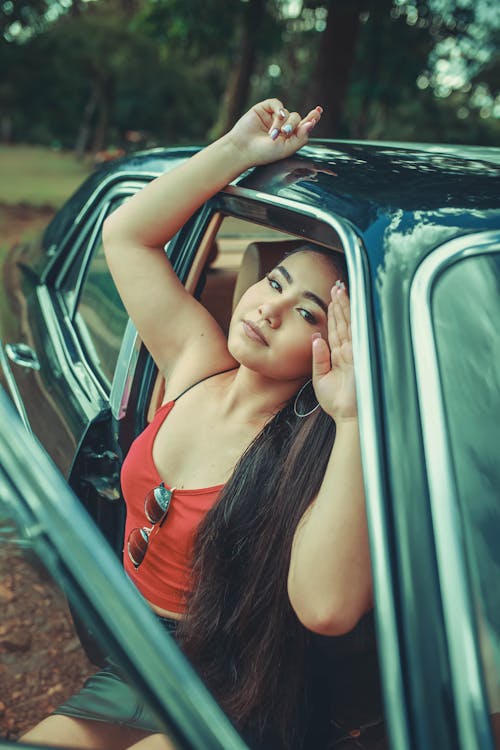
<point x="156" y="507"/>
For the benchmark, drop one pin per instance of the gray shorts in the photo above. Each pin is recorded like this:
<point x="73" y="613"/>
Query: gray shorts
<point x="107" y="697"/>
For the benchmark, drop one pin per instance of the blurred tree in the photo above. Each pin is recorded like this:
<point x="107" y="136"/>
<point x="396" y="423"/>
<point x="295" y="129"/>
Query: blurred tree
<point x="87" y="51"/>
<point x="336" y="50"/>
<point x="103" y="75"/>
<point x="247" y="35"/>
<point x="8" y="61"/>
<point x="17" y="16"/>
<point x="379" y="67"/>
<point x="228" y="37"/>
<point x="85" y="73"/>
<point x="19" y="19"/>
<point x="384" y="76"/>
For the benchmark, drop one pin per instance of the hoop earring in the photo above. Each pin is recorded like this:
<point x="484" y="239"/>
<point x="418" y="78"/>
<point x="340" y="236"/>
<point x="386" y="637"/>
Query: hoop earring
<point x="295" y="410"/>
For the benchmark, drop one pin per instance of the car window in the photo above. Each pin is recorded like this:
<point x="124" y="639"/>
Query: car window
<point x="92" y="300"/>
<point x="466" y="312"/>
<point x="100" y="316"/>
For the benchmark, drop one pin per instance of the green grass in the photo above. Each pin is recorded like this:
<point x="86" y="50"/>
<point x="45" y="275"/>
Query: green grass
<point x="38" y="176"/>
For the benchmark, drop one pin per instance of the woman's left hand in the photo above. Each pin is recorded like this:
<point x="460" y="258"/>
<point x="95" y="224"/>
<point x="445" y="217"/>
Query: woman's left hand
<point x="333" y="368"/>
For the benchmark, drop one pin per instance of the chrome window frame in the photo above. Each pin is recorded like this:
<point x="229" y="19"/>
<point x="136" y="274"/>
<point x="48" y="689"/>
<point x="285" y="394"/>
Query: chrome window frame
<point x="13" y="388"/>
<point x="124" y="371"/>
<point x="84" y="384"/>
<point x="459" y="621"/>
<point x="86" y="232"/>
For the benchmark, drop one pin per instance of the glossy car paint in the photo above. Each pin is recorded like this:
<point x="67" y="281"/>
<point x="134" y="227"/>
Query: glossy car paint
<point x="392" y="207"/>
<point x="402" y="204"/>
<point x="53" y="525"/>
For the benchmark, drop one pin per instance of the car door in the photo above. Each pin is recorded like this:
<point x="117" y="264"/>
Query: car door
<point x="57" y="359"/>
<point x="46" y="539"/>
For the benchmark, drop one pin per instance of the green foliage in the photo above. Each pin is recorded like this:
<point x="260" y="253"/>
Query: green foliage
<point x="84" y="74"/>
<point x="23" y="14"/>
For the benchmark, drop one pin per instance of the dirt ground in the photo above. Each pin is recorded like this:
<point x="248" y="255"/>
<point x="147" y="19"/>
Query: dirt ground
<point x="41" y="660"/>
<point x="21" y="221"/>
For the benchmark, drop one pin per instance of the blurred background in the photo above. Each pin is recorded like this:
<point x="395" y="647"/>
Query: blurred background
<point x="97" y="74"/>
<point x="83" y="81"/>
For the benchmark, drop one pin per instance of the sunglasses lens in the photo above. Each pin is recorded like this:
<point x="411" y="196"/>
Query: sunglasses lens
<point x="137" y="545"/>
<point x="157" y="503"/>
<point x="156" y="507"/>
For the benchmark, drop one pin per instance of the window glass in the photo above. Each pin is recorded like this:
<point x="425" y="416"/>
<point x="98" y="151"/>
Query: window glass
<point x="466" y="313"/>
<point x="92" y="300"/>
<point x="100" y="315"/>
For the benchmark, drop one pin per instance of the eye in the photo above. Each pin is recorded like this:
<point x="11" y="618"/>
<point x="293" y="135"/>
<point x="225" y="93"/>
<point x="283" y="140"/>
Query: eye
<point x="274" y="283"/>
<point x="307" y="316"/>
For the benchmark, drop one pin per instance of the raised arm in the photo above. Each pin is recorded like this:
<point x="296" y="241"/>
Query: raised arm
<point x="173" y="325"/>
<point x="329" y="582"/>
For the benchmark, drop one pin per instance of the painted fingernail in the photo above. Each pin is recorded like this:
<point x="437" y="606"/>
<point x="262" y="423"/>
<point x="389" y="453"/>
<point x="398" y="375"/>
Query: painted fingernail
<point x="320" y="109"/>
<point x="274" y="134"/>
<point x="282" y="113"/>
<point x="287" y="129"/>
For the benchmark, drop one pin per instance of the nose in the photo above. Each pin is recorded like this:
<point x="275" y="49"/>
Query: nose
<point x="271" y="312"/>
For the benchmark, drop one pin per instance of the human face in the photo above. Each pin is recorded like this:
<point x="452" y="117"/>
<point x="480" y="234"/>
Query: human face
<point x="272" y="325"/>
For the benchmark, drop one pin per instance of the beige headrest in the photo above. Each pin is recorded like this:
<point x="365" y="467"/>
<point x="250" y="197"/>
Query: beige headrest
<point x="260" y="258"/>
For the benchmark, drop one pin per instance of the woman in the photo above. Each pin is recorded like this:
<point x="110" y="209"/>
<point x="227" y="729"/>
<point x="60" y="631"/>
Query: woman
<point x="273" y="489"/>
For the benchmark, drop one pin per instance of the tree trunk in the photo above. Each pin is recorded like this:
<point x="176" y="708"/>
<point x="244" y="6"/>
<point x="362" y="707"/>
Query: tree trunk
<point x="84" y="129"/>
<point x="335" y="59"/>
<point x="6" y="128"/>
<point x="236" y="95"/>
<point x="101" y="128"/>
<point x="375" y="49"/>
<point x="76" y="8"/>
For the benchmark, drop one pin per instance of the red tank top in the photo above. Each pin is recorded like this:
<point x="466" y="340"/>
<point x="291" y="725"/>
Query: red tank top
<point x="164" y="575"/>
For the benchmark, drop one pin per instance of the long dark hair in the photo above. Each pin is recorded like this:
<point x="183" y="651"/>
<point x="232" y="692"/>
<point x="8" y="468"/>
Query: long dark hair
<point x="240" y="631"/>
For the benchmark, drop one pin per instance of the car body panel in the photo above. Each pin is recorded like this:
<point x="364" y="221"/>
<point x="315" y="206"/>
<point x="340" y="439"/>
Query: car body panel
<point x="53" y="524"/>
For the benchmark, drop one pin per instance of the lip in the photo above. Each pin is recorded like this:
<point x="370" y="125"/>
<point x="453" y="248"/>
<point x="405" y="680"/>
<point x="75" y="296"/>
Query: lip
<point x="253" y="332"/>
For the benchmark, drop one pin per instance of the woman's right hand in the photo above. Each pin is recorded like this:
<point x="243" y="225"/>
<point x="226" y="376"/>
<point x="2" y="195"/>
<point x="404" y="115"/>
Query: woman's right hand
<point x="269" y="132"/>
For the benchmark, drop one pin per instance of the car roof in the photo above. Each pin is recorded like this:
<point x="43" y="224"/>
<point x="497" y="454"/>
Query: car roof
<point x="405" y="175"/>
<point x="427" y="193"/>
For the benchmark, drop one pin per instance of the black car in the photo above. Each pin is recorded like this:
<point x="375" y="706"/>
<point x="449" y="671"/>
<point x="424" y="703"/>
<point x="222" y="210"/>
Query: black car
<point x="39" y="514"/>
<point x="420" y="229"/>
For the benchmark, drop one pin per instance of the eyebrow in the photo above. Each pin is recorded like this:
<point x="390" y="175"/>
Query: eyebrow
<point x="308" y="295"/>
